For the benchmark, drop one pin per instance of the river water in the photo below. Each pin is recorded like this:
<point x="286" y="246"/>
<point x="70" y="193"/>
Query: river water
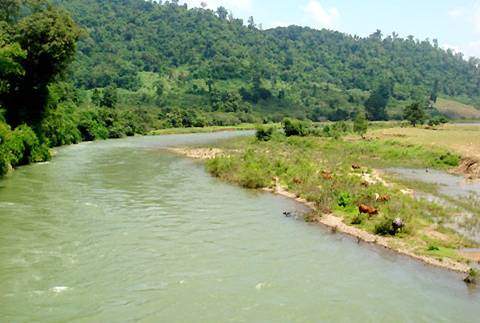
<point x="124" y="231"/>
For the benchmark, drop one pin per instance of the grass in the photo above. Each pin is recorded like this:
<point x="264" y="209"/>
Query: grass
<point x="174" y="131"/>
<point x="320" y="170"/>
<point x="463" y="140"/>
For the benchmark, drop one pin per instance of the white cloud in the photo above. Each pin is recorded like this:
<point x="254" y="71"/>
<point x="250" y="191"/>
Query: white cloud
<point x="321" y="17"/>
<point x="471" y="49"/>
<point x="243" y="5"/>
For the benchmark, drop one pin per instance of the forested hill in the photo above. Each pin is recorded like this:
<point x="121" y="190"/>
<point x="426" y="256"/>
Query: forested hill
<point x="197" y="51"/>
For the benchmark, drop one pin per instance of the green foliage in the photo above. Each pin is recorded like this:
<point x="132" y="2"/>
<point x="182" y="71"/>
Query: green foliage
<point x="336" y="130"/>
<point x="437" y="120"/>
<point x="415" y="114"/>
<point x="109" y="98"/>
<point x="47" y="43"/>
<point x="59" y="125"/>
<point x="360" y="124"/>
<point x="199" y="56"/>
<point x="293" y="127"/>
<point x="91" y="125"/>
<point x="344" y="199"/>
<point x="265" y="132"/>
<point x="449" y="159"/>
<point x="377" y="103"/>
<point x="385" y="227"/>
<point x="24" y="147"/>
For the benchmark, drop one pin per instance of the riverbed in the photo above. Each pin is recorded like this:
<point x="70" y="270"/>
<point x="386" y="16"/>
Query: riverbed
<point x="123" y="230"/>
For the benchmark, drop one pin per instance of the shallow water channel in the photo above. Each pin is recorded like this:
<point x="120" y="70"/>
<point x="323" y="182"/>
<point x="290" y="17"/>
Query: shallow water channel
<point x="124" y="231"/>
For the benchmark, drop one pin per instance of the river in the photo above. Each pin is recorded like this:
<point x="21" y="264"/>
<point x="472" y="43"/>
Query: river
<point x="124" y="231"/>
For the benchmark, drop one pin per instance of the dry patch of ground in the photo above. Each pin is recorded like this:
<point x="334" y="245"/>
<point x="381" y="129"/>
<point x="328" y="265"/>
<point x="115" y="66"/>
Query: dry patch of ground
<point x="463" y="140"/>
<point x="198" y="153"/>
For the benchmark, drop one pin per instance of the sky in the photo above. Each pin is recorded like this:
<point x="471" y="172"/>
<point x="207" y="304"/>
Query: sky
<point x="455" y="23"/>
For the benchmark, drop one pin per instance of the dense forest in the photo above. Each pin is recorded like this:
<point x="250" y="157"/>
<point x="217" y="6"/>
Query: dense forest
<point x="73" y="70"/>
<point x="210" y="60"/>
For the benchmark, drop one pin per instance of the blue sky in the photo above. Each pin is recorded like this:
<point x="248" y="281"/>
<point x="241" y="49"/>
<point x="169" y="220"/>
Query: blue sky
<point x="455" y="23"/>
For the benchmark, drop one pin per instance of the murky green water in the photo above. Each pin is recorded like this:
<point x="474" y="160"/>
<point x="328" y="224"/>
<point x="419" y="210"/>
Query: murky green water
<point x="122" y="231"/>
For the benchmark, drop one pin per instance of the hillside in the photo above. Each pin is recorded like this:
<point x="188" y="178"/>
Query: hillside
<point x="457" y="110"/>
<point x="209" y="60"/>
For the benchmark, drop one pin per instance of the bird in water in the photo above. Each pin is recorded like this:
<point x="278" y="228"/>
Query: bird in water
<point x="287" y="214"/>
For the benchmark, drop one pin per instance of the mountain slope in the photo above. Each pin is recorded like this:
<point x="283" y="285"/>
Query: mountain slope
<point x="195" y="51"/>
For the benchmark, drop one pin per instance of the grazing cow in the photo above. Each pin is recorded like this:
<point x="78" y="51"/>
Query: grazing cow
<point x="327" y="175"/>
<point x="365" y="209"/>
<point x="383" y="198"/>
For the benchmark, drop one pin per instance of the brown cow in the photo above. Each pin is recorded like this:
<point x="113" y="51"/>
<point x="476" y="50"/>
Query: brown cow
<point x="384" y="198"/>
<point x="327" y="175"/>
<point x="365" y="209"/>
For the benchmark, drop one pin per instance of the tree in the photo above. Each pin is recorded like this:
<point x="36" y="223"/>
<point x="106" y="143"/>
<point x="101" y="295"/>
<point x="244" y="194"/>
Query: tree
<point x="251" y="23"/>
<point x="222" y="13"/>
<point x="377" y="103"/>
<point x="48" y="36"/>
<point x="96" y="97"/>
<point x="415" y="114"/>
<point x="360" y="124"/>
<point x="9" y="10"/>
<point x="434" y="92"/>
<point x="110" y="97"/>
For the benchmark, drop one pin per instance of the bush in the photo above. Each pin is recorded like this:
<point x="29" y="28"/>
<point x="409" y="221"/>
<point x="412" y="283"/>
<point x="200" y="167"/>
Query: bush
<point x="385" y="227"/>
<point x="265" y="133"/>
<point x="357" y="219"/>
<point x="24" y="147"/>
<point x="344" y="200"/>
<point x="91" y="125"/>
<point x="293" y="127"/>
<point x="60" y="126"/>
<point x="450" y="159"/>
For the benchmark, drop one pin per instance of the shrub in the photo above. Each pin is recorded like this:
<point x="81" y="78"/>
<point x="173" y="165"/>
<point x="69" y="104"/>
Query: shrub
<point x="344" y="199"/>
<point x="24" y="147"/>
<point x="293" y="127"/>
<point x="385" y="227"/>
<point x="264" y="133"/>
<point x="360" y="124"/>
<point x="60" y="125"/>
<point x="357" y="219"/>
<point x="450" y="159"/>
<point x="91" y="125"/>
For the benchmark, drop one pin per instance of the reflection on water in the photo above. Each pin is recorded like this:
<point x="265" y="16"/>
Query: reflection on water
<point x="122" y="230"/>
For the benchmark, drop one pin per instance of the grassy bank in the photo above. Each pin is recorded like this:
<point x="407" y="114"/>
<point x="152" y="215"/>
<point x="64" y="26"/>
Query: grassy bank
<point x="339" y="175"/>
<point x="177" y="131"/>
<point x="463" y="140"/>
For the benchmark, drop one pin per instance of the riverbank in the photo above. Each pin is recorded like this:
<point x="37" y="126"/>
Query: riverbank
<point x="179" y="131"/>
<point x="334" y="177"/>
